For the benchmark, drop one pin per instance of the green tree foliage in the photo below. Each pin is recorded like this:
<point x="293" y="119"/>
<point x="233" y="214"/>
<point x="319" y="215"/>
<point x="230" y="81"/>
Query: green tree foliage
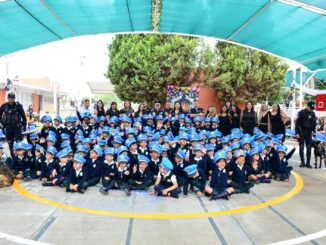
<point x="141" y="65"/>
<point x="244" y="75"/>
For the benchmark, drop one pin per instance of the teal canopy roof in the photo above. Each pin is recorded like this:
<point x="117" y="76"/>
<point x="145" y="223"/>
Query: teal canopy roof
<point x="295" y="30"/>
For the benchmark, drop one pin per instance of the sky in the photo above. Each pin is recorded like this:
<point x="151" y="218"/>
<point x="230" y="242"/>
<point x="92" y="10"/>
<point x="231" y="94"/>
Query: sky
<point x="71" y="62"/>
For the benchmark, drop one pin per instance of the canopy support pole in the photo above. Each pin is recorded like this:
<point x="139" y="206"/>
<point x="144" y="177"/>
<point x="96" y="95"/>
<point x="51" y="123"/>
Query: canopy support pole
<point x="293" y="100"/>
<point x="301" y="91"/>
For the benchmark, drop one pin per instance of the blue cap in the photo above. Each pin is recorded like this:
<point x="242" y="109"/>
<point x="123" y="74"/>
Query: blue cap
<point x="102" y="142"/>
<point x="81" y="148"/>
<point x="98" y="150"/>
<point x="188" y="120"/>
<point x="198" y="147"/>
<point x="156" y="148"/>
<point x="184" y="136"/>
<point x="65" y="144"/>
<point x="2" y="134"/>
<point x="198" y="119"/>
<point x="182" y="116"/>
<point x="254" y="144"/>
<point x="28" y="147"/>
<point x="101" y="119"/>
<point x="289" y="132"/>
<point x="46" y="118"/>
<point x="261" y="146"/>
<point x="180" y="153"/>
<point x="117" y="140"/>
<point x="79" y="138"/>
<point x="87" y="140"/>
<point x="166" y="164"/>
<point x="245" y="141"/>
<point x="260" y="134"/>
<point x="79" y="158"/>
<point x="253" y="151"/>
<point x="109" y="151"/>
<point x="156" y="136"/>
<point x="219" y="155"/>
<point x="52" y="150"/>
<point x="142" y="158"/>
<point x="210" y="147"/>
<point x="207" y="119"/>
<point x="282" y="148"/>
<point x="224" y="140"/>
<point x="58" y="118"/>
<point x="191" y="169"/>
<point x="33" y="136"/>
<point x="194" y="137"/>
<point x="68" y="119"/>
<point x="126" y="119"/>
<point x="235" y="145"/>
<point x="218" y="134"/>
<point x="95" y="118"/>
<point x="235" y="135"/>
<point x="227" y="149"/>
<point x="240" y="153"/>
<point x="65" y="136"/>
<point x="159" y="117"/>
<point x="51" y="138"/>
<point x="123" y="158"/>
<point x="39" y="148"/>
<point x="130" y="141"/>
<point x="62" y="153"/>
<point x="269" y="135"/>
<point x="86" y="114"/>
<point x="121" y="149"/>
<point x="215" y="120"/>
<point x="106" y="129"/>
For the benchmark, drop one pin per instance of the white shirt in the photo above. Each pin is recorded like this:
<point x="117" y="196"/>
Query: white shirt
<point x="173" y="177"/>
<point x="78" y="172"/>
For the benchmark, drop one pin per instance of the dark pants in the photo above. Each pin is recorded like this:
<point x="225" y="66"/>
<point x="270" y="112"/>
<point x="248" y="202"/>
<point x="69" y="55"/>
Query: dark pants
<point x="305" y="138"/>
<point x="13" y="134"/>
<point x="93" y="181"/>
<point x="173" y="193"/>
<point x="242" y="187"/>
<point x="143" y="186"/>
<point x="82" y="187"/>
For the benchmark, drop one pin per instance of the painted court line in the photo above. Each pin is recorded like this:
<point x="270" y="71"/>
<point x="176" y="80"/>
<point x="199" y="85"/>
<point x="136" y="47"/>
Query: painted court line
<point x="295" y="190"/>
<point x="302" y="239"/>
<point x="20" y="240"/>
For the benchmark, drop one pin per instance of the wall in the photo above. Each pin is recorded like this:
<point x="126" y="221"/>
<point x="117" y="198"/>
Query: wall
<point x="208" y="97"/>
<point x="36" y="103"/>
<point x="2" y="96"/>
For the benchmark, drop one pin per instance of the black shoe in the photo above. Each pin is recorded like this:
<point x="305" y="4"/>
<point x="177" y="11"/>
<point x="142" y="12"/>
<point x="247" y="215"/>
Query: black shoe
<point x="302" y="165"/>
<point x="81" y="191"/>
<point x="127" y="191"/>
<point x="267" y="181"/>
<point x="47" y="184"/>
<point x="104" y="192"/>
<point x="68" y="190"/>
<point x="308" y="166"/>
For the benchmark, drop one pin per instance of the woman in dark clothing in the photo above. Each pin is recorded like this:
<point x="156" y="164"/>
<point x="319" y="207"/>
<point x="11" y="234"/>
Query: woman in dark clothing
<point x="235" y="117"/>
<point x="113" y="111"/>
<point x="140" y="111"/>
<point x="263" y="119"/>
<point x="225" y="121"/>
<point x="177" y="109"/>
<point x="127" y="109"/>
<point x="276" y="121"/>
<point x="248" y="119"/>
<point x="99" y="109"/>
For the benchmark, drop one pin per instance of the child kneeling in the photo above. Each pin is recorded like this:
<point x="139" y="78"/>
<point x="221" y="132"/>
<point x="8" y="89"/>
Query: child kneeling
<point x="77" y="180"/>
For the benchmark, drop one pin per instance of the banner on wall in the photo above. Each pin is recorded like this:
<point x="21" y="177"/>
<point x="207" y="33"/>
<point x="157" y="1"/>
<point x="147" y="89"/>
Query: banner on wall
<point x="184" y="95"/>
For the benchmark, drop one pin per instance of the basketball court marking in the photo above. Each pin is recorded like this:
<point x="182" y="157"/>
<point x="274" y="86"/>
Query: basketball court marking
<point x="294" y="191"/>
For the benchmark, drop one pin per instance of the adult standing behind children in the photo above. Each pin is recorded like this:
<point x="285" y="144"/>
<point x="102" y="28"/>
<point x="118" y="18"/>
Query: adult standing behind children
<point x="85" y="108"/>
<point x="263" y="118"/>
<point x="276" y="121"/>
<point x="248" y="119"/>
<point x="99" y="109"/>
<point x="304" y="127"/>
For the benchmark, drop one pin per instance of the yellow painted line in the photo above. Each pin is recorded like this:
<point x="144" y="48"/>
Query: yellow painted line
<point x="294" y="191"/>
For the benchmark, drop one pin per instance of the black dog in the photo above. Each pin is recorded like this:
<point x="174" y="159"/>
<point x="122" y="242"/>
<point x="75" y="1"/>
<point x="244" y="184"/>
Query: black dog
<point x="320" y="152"/>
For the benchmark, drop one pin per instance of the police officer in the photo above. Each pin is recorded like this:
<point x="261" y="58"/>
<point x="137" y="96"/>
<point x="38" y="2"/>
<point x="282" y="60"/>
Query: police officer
<point x="13" y="119"/>
<point x="304" y="127"/>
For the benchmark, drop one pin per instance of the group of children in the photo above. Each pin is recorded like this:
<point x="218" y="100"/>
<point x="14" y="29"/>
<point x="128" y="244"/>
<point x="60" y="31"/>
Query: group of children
<point x="172" y="154"/>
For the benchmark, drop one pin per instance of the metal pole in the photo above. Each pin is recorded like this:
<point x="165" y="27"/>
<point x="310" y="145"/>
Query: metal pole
<point x="301" y="88"/>
<point x="293" y="100"/>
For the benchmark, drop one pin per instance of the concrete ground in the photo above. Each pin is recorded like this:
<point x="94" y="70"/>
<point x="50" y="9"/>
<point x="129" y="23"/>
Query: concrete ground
<point x="301" y="215"/>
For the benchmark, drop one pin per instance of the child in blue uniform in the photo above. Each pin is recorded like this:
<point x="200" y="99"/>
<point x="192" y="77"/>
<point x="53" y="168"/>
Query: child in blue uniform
<point x="19" y="161"/>
<point x="179" y="164"/>
<point x="109" y="169"/>
<point x="142" y="177"/>
<point x="94" y="166"/>
<point x="77" y="180"/>
<point x="239" y="174"/>
<point x="196" y="179"/>
<point x="155" y="160"/>
<point x="256" y="172"/>
<point x="123" y="174"/>
<point x="62" y="169"/>
<point x="218" y="188"/>
<point x="49" y="164"/>
<point x="280" y="162"/>
<point x="166" y="183"/>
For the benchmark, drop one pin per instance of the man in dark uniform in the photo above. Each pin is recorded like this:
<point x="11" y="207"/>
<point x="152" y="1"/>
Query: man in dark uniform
<point x="13" y="119"/>
<point x="157" y="109"/>
<point x="196" y="111"/>
<point x="305" y="126"/>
